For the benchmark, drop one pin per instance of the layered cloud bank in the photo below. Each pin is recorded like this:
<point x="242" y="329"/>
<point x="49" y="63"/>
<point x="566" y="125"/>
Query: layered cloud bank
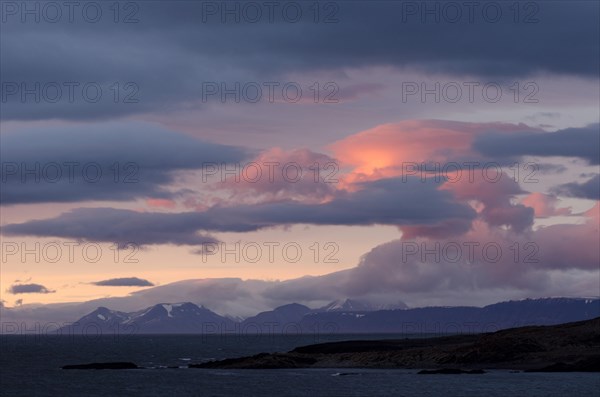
<point x="343" y="35"/>
<point x="465" y="212"/>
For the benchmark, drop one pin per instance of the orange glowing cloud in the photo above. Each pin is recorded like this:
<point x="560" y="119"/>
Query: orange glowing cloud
<point x="384" y="150"/>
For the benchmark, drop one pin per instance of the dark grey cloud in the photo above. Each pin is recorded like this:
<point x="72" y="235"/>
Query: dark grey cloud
<point x="29" y="289"/>
<point x="123" y="227"/>
<point x="569" y="142"/>
<point x="589" y="189"/>
<point x="170" y="52"/>
<point x="124" y="282"/>
<point x="108" y="161"/>
<point x="386" y="202"/>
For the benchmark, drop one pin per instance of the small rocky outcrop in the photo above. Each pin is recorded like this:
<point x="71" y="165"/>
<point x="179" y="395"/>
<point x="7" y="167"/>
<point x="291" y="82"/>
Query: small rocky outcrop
<point x="110" y="365"/>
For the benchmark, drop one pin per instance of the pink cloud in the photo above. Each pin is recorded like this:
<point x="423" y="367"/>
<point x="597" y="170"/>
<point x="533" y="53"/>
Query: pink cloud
<point x="529" y="261"/>
<point x="161" y="203"/>
<point x="387" y="147"/>
<point x="544" y="205"/>
<point x="497" y="208"/>
<point x="277" y="174"/>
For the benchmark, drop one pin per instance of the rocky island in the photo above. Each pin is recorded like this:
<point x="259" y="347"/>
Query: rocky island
<point x="559" y="348"/>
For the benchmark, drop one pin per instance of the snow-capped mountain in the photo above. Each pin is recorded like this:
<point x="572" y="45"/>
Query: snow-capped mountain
<point x="103" y="318"/>
<point x="352" y="305"/>
<point x="161" y="318"/>
<point x="347" y="316"/>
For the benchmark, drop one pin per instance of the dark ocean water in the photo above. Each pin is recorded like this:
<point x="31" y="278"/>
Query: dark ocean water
<point x="30" y="366"/>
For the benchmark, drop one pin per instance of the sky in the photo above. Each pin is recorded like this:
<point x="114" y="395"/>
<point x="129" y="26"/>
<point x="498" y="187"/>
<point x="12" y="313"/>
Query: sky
<point x="257" y="154"/>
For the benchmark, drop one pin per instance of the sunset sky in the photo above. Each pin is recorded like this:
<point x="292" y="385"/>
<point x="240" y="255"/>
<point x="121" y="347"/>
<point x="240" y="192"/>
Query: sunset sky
<point x="175" y="141"/>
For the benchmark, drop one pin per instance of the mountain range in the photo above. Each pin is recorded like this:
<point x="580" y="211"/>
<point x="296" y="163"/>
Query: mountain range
<point x="346" y="316"/>
<point x="164" y="318"/>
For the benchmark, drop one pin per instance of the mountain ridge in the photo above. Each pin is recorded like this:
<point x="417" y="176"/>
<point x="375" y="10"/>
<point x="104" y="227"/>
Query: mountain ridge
<point x="187" y="317"/>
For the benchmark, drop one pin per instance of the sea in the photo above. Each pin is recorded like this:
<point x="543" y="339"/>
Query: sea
<point x="30" y="365"/>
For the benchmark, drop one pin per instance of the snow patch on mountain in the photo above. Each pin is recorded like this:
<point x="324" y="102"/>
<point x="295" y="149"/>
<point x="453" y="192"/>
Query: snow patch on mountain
<point x="168" y="308"/>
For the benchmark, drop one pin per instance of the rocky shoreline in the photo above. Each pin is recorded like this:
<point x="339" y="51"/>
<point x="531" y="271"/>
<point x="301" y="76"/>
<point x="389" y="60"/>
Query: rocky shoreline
<point x="559" y="348"/>
<point x="570" y="347"/>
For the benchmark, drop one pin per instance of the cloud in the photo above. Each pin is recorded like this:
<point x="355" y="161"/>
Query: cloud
<point x="389" y="146"/>
<point x="376" y="191"/>
<point x="544" y="205"/>
<point x="556" y="259"/>
<point x="106" y="161"/>
<point x="495" y="196"/>
<point x="589" y="189"/>
<point x="384" y="202"/>
<point x="223" y="295"/>
<point x="569" y="142"/>
<point x="117" y="226"/>
<point x="124" y="282"/>
<point x="29" y="289"/>
<point x="389" y="35"/>
<point x="161" y="203"/>
<point x="530" y="264"/>
<point x="417" y="147"/>
<point x="546" y="264"/>
<point x="438" y="147"/>
<point x="277" y="174"/>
